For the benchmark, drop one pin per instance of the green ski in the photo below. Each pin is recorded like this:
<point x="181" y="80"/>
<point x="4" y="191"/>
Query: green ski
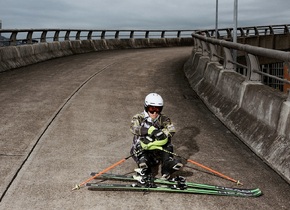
<point x="172" y="186"/>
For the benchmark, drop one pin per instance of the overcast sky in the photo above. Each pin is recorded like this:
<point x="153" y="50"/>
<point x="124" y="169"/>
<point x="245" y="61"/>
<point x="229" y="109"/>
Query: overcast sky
<point x="140" y="14"/>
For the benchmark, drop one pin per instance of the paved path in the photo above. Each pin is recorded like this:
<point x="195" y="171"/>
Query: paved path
<point x="64" y="118"/>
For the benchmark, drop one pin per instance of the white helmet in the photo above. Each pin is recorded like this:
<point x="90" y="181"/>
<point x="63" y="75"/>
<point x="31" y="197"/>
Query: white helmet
<point x="153" y="99"/>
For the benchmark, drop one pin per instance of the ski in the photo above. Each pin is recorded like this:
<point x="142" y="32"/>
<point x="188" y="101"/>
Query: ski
<point x="191" y="187"/>
<point x="166" y="188"/>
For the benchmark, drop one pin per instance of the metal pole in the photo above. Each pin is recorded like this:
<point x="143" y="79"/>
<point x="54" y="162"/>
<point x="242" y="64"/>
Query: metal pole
<point x="235" y="21"/>
<point x="216" y="19"/>
<point x="0" y="25"/>
<point x="235" y="29"/>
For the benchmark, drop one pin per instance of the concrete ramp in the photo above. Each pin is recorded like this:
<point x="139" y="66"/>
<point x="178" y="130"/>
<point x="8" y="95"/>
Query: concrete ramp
<point x="63" y="118"/>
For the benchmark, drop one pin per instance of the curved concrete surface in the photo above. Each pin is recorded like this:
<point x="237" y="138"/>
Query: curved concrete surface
<point x="258" y="114"/>
<point x="63" y="118"/>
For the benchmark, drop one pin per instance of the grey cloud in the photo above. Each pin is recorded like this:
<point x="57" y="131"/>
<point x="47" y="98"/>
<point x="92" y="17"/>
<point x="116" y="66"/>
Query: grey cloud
<point x="132" y="14"/>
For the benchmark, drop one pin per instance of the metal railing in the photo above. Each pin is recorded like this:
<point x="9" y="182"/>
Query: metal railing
<point x="242" y="58"/>
<point x="216" y="48"/>
<point x="227" y="33"/>
<point x="30" y="36"/>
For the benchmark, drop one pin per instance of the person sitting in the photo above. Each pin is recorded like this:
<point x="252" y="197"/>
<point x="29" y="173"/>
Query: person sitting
<point x="153" y="132"/>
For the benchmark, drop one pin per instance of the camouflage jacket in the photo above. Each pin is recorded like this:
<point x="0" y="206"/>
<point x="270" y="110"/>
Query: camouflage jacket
<point x="140" y="124"/>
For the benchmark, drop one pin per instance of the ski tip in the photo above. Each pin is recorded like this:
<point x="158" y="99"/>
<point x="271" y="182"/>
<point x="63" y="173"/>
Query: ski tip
<point x="77" y="187"/>
<point x="257" y="193"/>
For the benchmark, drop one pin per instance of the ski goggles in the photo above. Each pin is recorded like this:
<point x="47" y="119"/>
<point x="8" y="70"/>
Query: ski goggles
<point x="153" y="109"/>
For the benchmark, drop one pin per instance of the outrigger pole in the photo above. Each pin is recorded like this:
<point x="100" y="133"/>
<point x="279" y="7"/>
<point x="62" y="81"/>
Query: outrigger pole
<point x="202" y="166"/>
<point x="78" y="186"/>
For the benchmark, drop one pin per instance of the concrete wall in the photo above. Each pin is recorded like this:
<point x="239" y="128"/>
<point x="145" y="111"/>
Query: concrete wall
<point x="256" y="113"/>
<point x="18" y="56"/>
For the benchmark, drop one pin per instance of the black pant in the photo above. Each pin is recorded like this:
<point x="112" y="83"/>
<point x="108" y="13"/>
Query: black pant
<point x="155" y="157"/>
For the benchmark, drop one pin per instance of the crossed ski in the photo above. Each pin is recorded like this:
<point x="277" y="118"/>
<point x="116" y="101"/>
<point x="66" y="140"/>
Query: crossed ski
<point x="170" y="186"/>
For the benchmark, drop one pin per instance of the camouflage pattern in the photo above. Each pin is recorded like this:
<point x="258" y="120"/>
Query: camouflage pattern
<point x="140" y="124"/>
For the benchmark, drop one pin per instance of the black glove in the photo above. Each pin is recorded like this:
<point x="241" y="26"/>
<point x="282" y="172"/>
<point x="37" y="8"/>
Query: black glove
<point x="158" y="135"/>
<point x="147" y="139"/>
<point x="138" y="150"/>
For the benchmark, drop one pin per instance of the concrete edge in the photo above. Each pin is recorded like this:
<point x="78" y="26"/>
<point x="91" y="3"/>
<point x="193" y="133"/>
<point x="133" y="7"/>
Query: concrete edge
<point x="255" y="113"/>
<point x="12" y="57"/>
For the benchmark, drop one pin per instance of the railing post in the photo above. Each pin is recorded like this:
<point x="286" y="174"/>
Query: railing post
<point x="66" y="37"/>
<point x="132" y="35"/>
<point x="147" y="35"/>
<point x="213" y="53"/>
<point x="162" y="34"/>
<point x="253" y="65"/>
<point x="271" y="30"/>
<point x="204" y="48"/>
<point x="256" y="31"/>
<point x="228" y="60"/>
<point x="43" y="36"/>
<point x="242" y="32"/>
<point x="29" y="37"/>
<point x="78" y="35"/>
<point x="103" y="35"/>
<point x="55" y="36"/>
<point x="218" y="34"/>
<point x="13" y="40"/>
<point x="178" y="34"/>
<point x="286" y="30"/>
<point x="229" y="34"/>
<point x="89" y="37"/>
<point x="117" y="34"/>
<point x="207" y="34"/>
